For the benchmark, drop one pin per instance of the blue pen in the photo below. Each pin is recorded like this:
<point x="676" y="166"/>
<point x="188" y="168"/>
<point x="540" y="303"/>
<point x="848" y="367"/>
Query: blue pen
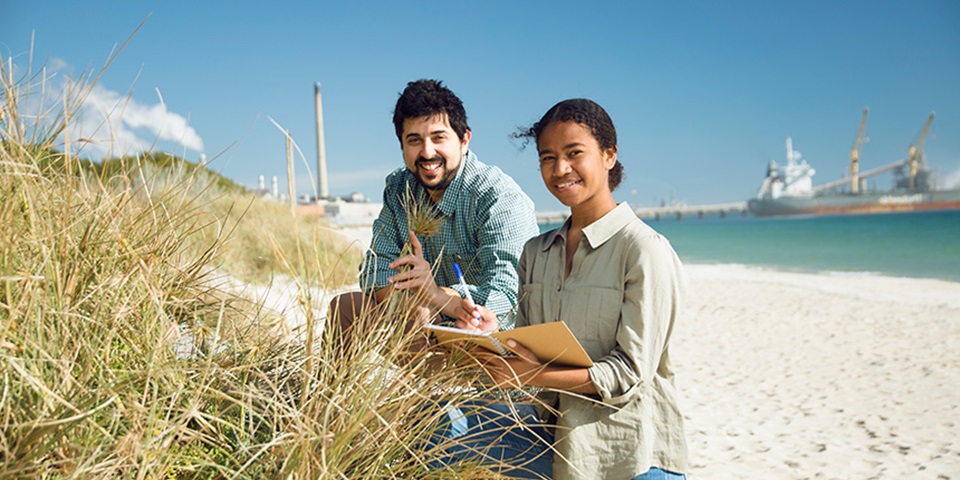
<point x="463" y="283"/>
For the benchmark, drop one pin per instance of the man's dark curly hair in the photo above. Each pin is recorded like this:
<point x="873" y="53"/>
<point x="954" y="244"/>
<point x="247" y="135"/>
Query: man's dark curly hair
<point x="424" y="98"/>
<point x="589" y="114"/>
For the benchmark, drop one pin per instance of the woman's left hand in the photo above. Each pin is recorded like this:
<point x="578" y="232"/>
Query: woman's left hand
<point x="515" y="371"/>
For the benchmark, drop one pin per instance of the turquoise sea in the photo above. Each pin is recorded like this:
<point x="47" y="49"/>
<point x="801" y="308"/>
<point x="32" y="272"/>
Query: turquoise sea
<point x="916" y="244"/>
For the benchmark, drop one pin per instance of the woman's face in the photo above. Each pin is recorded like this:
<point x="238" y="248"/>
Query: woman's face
<point x="573" y="166"/>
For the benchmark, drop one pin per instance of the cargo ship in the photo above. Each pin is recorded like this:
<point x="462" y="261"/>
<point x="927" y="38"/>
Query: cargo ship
<point x="788" y="189"/>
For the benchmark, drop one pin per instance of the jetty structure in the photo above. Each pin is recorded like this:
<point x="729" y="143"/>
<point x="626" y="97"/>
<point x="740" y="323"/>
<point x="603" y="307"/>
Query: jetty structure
<point x="678" y="211"/>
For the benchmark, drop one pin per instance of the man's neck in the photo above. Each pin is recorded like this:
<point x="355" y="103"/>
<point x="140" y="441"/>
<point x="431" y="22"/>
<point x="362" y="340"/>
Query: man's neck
<point x="435" y="195"/>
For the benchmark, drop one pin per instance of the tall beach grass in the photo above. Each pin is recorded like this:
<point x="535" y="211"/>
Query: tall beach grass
<point x="126" y="350"/>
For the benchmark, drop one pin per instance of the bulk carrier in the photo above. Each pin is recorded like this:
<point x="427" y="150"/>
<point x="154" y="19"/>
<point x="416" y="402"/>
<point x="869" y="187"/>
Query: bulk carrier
<point x="788" y="189"/>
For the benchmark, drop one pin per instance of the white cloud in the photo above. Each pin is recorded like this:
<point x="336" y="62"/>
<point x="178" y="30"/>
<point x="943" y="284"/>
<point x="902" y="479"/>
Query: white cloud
<point x="120" y="125"/>
<point x="113" y="124"/>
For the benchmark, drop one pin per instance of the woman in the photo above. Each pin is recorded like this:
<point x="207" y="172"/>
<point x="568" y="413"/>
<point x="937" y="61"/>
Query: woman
<point x="618" y="286"/>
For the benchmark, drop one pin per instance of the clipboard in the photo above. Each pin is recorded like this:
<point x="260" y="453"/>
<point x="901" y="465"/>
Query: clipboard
<point x="551" y="342"/>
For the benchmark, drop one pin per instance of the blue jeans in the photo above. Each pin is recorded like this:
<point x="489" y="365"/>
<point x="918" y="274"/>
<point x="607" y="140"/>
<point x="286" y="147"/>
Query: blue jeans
<point x="658" y="474"/>
<point x="508" y="438"/>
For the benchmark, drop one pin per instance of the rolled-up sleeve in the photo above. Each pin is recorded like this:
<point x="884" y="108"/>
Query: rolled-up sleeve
<point x="653" y="288"/>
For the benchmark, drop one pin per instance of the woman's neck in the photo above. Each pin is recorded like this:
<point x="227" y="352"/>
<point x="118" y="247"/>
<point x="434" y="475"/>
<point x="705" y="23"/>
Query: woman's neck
<point x="589" y="212"/>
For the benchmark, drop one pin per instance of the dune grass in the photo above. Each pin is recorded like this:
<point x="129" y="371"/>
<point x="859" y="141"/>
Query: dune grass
<point x="124" y="352"/>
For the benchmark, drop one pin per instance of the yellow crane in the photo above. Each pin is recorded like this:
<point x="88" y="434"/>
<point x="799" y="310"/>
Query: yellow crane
<point x="915" y="152"/>
<point x="855" y="154"/>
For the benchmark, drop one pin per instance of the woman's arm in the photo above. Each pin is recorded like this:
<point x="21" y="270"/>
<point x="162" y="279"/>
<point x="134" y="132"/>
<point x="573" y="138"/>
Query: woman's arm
<point x="526" y="370"/>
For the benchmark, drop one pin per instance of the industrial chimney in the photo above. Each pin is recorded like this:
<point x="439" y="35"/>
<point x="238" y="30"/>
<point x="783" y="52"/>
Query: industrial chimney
<point x="324" y="192"/>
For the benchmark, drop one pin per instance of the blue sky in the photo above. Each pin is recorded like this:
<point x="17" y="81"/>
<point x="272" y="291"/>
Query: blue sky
<point x="703" y="93"/>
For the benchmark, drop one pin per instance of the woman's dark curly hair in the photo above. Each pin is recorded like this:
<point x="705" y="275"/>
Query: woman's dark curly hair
<point x="589" y="114"/>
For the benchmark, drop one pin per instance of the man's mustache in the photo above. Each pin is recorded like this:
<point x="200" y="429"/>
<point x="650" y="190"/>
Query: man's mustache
<point x="435" y="158"/>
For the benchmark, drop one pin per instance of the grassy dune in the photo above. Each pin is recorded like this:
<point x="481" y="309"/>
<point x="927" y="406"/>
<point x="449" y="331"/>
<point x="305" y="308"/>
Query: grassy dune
<point x="124" y="353"/>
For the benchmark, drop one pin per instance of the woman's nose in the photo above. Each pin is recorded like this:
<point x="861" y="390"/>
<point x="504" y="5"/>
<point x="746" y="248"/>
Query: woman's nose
<point x="561" y="167"/>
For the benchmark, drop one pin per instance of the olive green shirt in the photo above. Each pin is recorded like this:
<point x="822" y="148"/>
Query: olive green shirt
<point x="621" y="300"/>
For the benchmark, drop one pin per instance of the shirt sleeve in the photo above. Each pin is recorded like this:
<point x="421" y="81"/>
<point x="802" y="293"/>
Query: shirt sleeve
<point x="509" y="223"/>
<point x="653" y="291"/>
<point x="389" y="235"/>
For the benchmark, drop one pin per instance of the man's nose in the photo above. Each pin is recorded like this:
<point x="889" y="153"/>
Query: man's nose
<point x="429" y="149"/>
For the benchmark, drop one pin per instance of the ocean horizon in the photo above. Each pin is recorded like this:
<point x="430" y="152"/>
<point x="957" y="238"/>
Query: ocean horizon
<point x="907" y="244"/>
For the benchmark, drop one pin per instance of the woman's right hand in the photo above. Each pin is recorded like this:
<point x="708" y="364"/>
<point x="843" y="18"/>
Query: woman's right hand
<point x="476" y="317"/>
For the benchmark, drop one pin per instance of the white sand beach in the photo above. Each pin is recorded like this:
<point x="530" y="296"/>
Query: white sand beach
<point x="790" y="375"/>
<point x="794" y="376"/>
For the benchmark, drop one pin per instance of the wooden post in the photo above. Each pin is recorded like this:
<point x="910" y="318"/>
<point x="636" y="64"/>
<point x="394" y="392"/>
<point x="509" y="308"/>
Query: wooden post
<point x="290" y="180"/>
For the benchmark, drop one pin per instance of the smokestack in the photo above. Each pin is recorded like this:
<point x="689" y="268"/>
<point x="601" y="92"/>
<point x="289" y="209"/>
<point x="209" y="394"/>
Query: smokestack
<point x="321" y="147"/>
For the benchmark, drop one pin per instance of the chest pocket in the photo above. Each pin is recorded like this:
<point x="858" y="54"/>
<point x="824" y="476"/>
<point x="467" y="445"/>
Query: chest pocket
<point x="532" y="302"/>
<point x="593" y="314"/>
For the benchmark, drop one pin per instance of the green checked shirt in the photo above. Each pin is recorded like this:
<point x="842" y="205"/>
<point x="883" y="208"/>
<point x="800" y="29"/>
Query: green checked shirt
<point x="487" y="221"/>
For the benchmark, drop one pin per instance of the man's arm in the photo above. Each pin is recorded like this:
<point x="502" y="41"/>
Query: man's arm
<point x="509" y="222"/>
<point x="389" y="235"/>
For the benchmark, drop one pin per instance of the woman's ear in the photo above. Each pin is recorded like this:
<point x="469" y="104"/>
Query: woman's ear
<point x="609" y="158"/>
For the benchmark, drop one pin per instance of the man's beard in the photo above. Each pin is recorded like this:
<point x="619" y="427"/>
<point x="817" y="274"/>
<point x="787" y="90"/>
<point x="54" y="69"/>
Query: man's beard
<point x="445" y="179"/>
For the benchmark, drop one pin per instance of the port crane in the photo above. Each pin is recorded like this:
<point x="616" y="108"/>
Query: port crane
<point x="855" y="154"/>
<point x="915" y="152"/>
<point x="914" y="162"/>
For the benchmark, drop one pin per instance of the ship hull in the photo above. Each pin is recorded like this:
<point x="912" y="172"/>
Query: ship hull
<point x="843" y="204"/>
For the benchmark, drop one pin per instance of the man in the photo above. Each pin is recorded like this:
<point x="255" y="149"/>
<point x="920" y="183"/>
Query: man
<point x="487" y="219"/>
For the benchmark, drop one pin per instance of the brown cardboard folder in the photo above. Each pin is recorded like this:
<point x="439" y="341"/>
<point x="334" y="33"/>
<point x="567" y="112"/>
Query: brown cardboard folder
<point x="551" y="342"/>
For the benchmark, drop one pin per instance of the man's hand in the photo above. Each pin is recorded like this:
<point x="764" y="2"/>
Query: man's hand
<point x="417" y="277"/>
<point x="476" y="317"/>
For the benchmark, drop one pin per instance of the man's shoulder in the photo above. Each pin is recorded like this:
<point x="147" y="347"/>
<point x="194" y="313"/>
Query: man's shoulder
<point x="395" y="183"/>
<point x="492" y="181"/>
<point x="398" y="176"/>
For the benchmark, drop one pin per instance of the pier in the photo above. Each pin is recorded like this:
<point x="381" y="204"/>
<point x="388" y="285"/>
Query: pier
<point x="679" y="211"/>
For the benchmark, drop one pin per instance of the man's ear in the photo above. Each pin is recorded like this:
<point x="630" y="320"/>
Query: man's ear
<point x="466" y="138"/>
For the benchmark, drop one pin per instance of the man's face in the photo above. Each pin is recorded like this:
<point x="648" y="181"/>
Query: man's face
<point x="433" y="152"/>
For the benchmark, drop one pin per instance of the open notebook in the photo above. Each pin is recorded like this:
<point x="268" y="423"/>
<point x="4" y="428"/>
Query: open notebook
<point x="551" y="342"/>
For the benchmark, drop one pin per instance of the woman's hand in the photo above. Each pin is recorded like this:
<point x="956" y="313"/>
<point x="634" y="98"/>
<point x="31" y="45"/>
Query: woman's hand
<point x="515" y="371"/>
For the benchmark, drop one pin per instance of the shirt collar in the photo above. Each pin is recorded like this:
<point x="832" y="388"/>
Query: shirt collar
<point x="451" y="196"/>
<point x="601" y="230"/>
<point x="560" y="232"/>
<point x="598" y="232"/>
